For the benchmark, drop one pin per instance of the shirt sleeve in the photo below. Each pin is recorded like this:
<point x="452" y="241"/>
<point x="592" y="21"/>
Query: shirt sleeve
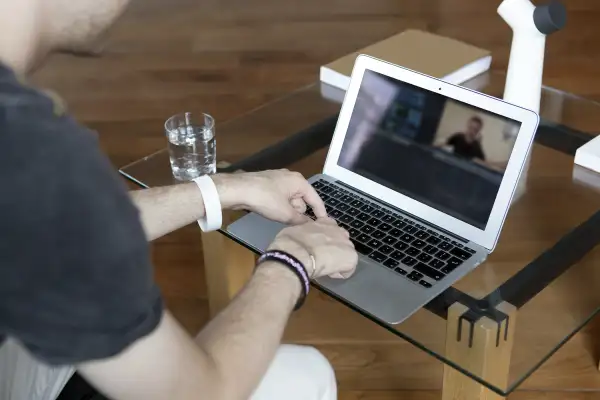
<point x="76" y="280"/>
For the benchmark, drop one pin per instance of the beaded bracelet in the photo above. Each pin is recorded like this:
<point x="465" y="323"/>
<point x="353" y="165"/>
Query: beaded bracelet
<point x="294" y="265"/>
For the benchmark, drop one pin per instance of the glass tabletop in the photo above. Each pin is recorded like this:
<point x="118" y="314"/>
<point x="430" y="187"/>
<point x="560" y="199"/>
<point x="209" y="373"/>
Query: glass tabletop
<point x="544" y="264"/>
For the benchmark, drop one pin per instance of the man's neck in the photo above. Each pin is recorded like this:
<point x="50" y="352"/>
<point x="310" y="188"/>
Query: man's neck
<point x="18" y="65"/>
<point x="20" y="35"/>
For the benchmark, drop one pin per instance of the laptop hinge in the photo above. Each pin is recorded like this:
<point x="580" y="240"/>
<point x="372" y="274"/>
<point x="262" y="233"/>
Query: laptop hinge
<point x="444" y="231"/>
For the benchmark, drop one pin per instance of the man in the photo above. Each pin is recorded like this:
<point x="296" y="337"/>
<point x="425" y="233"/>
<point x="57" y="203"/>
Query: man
<point x="468" y="144"/>
<point x="76" y="284"/>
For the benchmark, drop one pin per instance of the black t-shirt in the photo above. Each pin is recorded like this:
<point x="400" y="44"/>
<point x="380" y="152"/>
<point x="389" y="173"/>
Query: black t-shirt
<point x="462" y="148"/>
<point x="76" y="280"/>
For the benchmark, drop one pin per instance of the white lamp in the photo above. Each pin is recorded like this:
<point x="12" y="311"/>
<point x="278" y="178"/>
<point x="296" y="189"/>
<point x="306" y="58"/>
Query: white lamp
<point x="530" y="26"/>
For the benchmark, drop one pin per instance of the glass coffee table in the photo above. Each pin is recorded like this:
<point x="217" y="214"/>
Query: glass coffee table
<point x="497" y="325"/>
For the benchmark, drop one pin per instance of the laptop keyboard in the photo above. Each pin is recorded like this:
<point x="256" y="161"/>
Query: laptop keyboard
<point x="401" y="244"/>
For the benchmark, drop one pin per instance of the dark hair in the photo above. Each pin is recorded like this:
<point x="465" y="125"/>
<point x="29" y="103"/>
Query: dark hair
<point x="475" y="118"/>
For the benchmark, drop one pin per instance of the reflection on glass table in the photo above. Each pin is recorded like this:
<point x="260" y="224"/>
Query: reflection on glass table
<point x="503" y="320"/>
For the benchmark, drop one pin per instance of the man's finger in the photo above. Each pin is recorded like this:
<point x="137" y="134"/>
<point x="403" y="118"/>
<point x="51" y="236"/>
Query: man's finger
<point x="299" y="205"/>
<point x="347" y="274"/>
<point x="327" y="220"/>
<point x="311" y="197"/>
<point x="297" y="218"/>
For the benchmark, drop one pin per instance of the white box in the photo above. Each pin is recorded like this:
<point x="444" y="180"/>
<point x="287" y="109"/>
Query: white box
<point x="588" y="155"/>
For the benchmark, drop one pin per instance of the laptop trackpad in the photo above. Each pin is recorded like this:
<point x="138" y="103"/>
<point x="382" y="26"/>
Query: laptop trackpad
<point x="255" y="230"/>
<point x="380" y="292"/>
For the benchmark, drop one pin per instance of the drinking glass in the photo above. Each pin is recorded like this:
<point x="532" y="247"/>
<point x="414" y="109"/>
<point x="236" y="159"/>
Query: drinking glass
<point x="192" y="145"/>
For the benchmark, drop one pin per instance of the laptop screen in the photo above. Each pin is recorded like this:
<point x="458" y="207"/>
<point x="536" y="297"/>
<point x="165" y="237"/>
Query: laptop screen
<point x="443" y="153"/>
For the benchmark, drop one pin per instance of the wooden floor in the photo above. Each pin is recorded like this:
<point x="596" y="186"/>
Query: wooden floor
<point x="228" y="56"/>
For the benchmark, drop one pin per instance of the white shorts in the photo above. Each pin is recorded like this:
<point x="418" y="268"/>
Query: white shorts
<point x="22" y="377"/>
<point x="296" y="373"/>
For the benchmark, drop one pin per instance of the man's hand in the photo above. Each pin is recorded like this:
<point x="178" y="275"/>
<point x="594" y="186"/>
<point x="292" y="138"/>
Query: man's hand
<point x="329" y="244"/>
<point x="278" y="195"/>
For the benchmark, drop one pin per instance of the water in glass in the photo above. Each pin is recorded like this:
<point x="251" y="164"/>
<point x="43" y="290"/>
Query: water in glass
<point x="192" y="150"/>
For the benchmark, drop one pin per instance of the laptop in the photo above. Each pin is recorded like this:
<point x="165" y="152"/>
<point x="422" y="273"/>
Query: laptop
<point x="422" y="174"/>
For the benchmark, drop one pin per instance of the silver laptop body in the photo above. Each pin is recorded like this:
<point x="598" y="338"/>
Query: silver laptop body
<point x="421" y="208"/>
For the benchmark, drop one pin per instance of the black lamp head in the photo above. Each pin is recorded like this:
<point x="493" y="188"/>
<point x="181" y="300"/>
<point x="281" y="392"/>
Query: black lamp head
<point x="551" y="17"/>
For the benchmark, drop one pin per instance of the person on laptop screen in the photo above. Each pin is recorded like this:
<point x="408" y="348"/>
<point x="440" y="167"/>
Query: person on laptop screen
<point x="467" y="144"/>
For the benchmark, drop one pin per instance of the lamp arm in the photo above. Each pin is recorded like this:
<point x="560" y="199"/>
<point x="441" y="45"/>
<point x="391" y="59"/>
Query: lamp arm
<point x="530" y="26"/>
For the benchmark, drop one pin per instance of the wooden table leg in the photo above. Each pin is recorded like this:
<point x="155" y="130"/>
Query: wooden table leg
<point x="227" y="264"/>
<point x="482" y="347"/>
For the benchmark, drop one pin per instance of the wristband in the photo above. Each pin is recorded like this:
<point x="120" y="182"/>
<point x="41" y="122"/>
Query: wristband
<point x="294" y="265"/>
<point x="213" y="214"/>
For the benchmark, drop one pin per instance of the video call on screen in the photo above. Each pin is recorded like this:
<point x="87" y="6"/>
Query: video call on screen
<point x="441" y="152"/>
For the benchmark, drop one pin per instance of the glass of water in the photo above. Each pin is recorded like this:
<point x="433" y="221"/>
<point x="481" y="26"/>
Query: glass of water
<point x="192" y="145"/>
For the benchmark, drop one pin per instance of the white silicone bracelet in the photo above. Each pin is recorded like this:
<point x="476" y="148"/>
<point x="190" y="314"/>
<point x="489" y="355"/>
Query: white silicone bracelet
<point x="213" y="214"/>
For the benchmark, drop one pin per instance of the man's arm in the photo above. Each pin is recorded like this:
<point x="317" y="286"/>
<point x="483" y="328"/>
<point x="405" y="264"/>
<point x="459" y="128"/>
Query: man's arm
<point x="445" y="142"/>
<point x="227" y="360"/>
<point x="166" y="209"/>
<point x="452" y="139"/>
<point x="232" y="354"/>
<point x="279" y="195"/>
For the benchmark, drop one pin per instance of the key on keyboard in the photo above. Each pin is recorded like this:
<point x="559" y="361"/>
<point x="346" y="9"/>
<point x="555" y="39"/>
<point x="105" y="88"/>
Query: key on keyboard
<point x="356" y="224"/>
<point x="353" y="232"/>
<point x="373" y="222"/>
<point x="377" y="256"/>
<point x="389" y="240"/>
<point x="407" y="238"/>
<point x="363" y="238"/>
<point x="378" y="235"/>
<point x="389" y="219"/>
<point x="415" y="276"/>
<point x="401" y="246"/>
<point x="374" y="243"/>
<point x="460" y="253"/>
<point x="409" y="261"/>
<point x="385" y="227"/>
<point x="363" y="216"/>
<point x="399" y="224"/>
<point x="410" y="229"/>
<point x="385" y="249"/>
<point x="378" y="213"/>
<point x="367" y="229"/>
<point x="346" y="219"/>
<point x="422" y="235"/>
<point x="428" y="271"/>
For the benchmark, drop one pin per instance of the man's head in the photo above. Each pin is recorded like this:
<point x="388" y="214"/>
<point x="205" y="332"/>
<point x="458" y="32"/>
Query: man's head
<point x="474" y="128"/>
<point x="75" y="25"/>
<point x="31" y="29"/>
